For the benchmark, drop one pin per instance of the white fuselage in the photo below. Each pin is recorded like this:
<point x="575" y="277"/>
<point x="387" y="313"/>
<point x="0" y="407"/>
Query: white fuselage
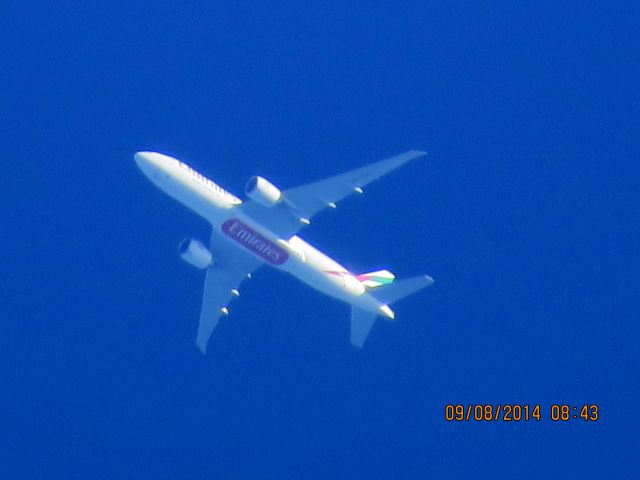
<point x="292" y="255"/>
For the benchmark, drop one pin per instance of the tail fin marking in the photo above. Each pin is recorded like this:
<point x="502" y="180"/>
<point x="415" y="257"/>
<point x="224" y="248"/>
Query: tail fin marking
<point x="376" y="279"/>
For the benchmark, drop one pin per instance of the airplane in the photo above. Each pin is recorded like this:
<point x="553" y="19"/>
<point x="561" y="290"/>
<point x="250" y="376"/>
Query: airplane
<point x="246" y="235"/>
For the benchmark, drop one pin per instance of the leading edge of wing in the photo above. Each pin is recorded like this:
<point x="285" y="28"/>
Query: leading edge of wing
<point x="301" y="203"/>
<point x="311" y="198"/>
<point x="221" y="284"/>
<point x="218" y="286"/>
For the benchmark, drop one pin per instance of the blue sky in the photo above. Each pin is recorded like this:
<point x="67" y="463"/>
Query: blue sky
<point x="525" y="212"/>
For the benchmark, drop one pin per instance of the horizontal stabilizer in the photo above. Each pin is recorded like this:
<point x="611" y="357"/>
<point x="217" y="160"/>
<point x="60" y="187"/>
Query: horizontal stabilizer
<point x="361" y="323"/>
<point x="401" y="288"/>
<point x="376" y="279"/>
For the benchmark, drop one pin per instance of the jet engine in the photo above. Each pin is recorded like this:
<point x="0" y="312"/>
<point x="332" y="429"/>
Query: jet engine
<point x="263" y="191"/>
<point x="195" y="253"/>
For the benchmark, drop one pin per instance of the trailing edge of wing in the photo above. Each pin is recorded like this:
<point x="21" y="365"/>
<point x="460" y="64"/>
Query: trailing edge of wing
<point x="314" y="197"/>
<point x="215" y="297"/>
<point x="221" y="284"/>
<point x="301" y="203"/>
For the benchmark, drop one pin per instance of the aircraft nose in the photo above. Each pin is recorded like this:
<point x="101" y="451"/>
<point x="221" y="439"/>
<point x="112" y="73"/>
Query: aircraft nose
<point x="150" y="163"/>
<point x="159" y="160"/>
<point x="143" y="159"/>
<point x="155" y="164"/>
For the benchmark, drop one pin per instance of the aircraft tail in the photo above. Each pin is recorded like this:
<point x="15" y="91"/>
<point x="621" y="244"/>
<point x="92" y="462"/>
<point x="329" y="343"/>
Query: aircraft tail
<point x="402" y="288"/>
<point x="376" y="279"/>
<point x="361" y="323"/>
<point x="363" y="320"/>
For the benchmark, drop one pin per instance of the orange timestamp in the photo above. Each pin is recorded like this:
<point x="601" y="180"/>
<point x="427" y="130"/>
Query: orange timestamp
<point x="519" y="412"/>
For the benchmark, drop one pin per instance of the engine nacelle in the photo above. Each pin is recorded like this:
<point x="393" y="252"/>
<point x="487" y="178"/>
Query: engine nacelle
<point x="195" y="253"/>
<point x="263" y="191"/>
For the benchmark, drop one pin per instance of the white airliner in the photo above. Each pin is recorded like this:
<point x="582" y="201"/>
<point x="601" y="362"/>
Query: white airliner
<point x="247" y="235"/>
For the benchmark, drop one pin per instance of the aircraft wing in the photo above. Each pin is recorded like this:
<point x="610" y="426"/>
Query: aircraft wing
<point x="301" y="203"/>
<point x="221" y="284"/>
